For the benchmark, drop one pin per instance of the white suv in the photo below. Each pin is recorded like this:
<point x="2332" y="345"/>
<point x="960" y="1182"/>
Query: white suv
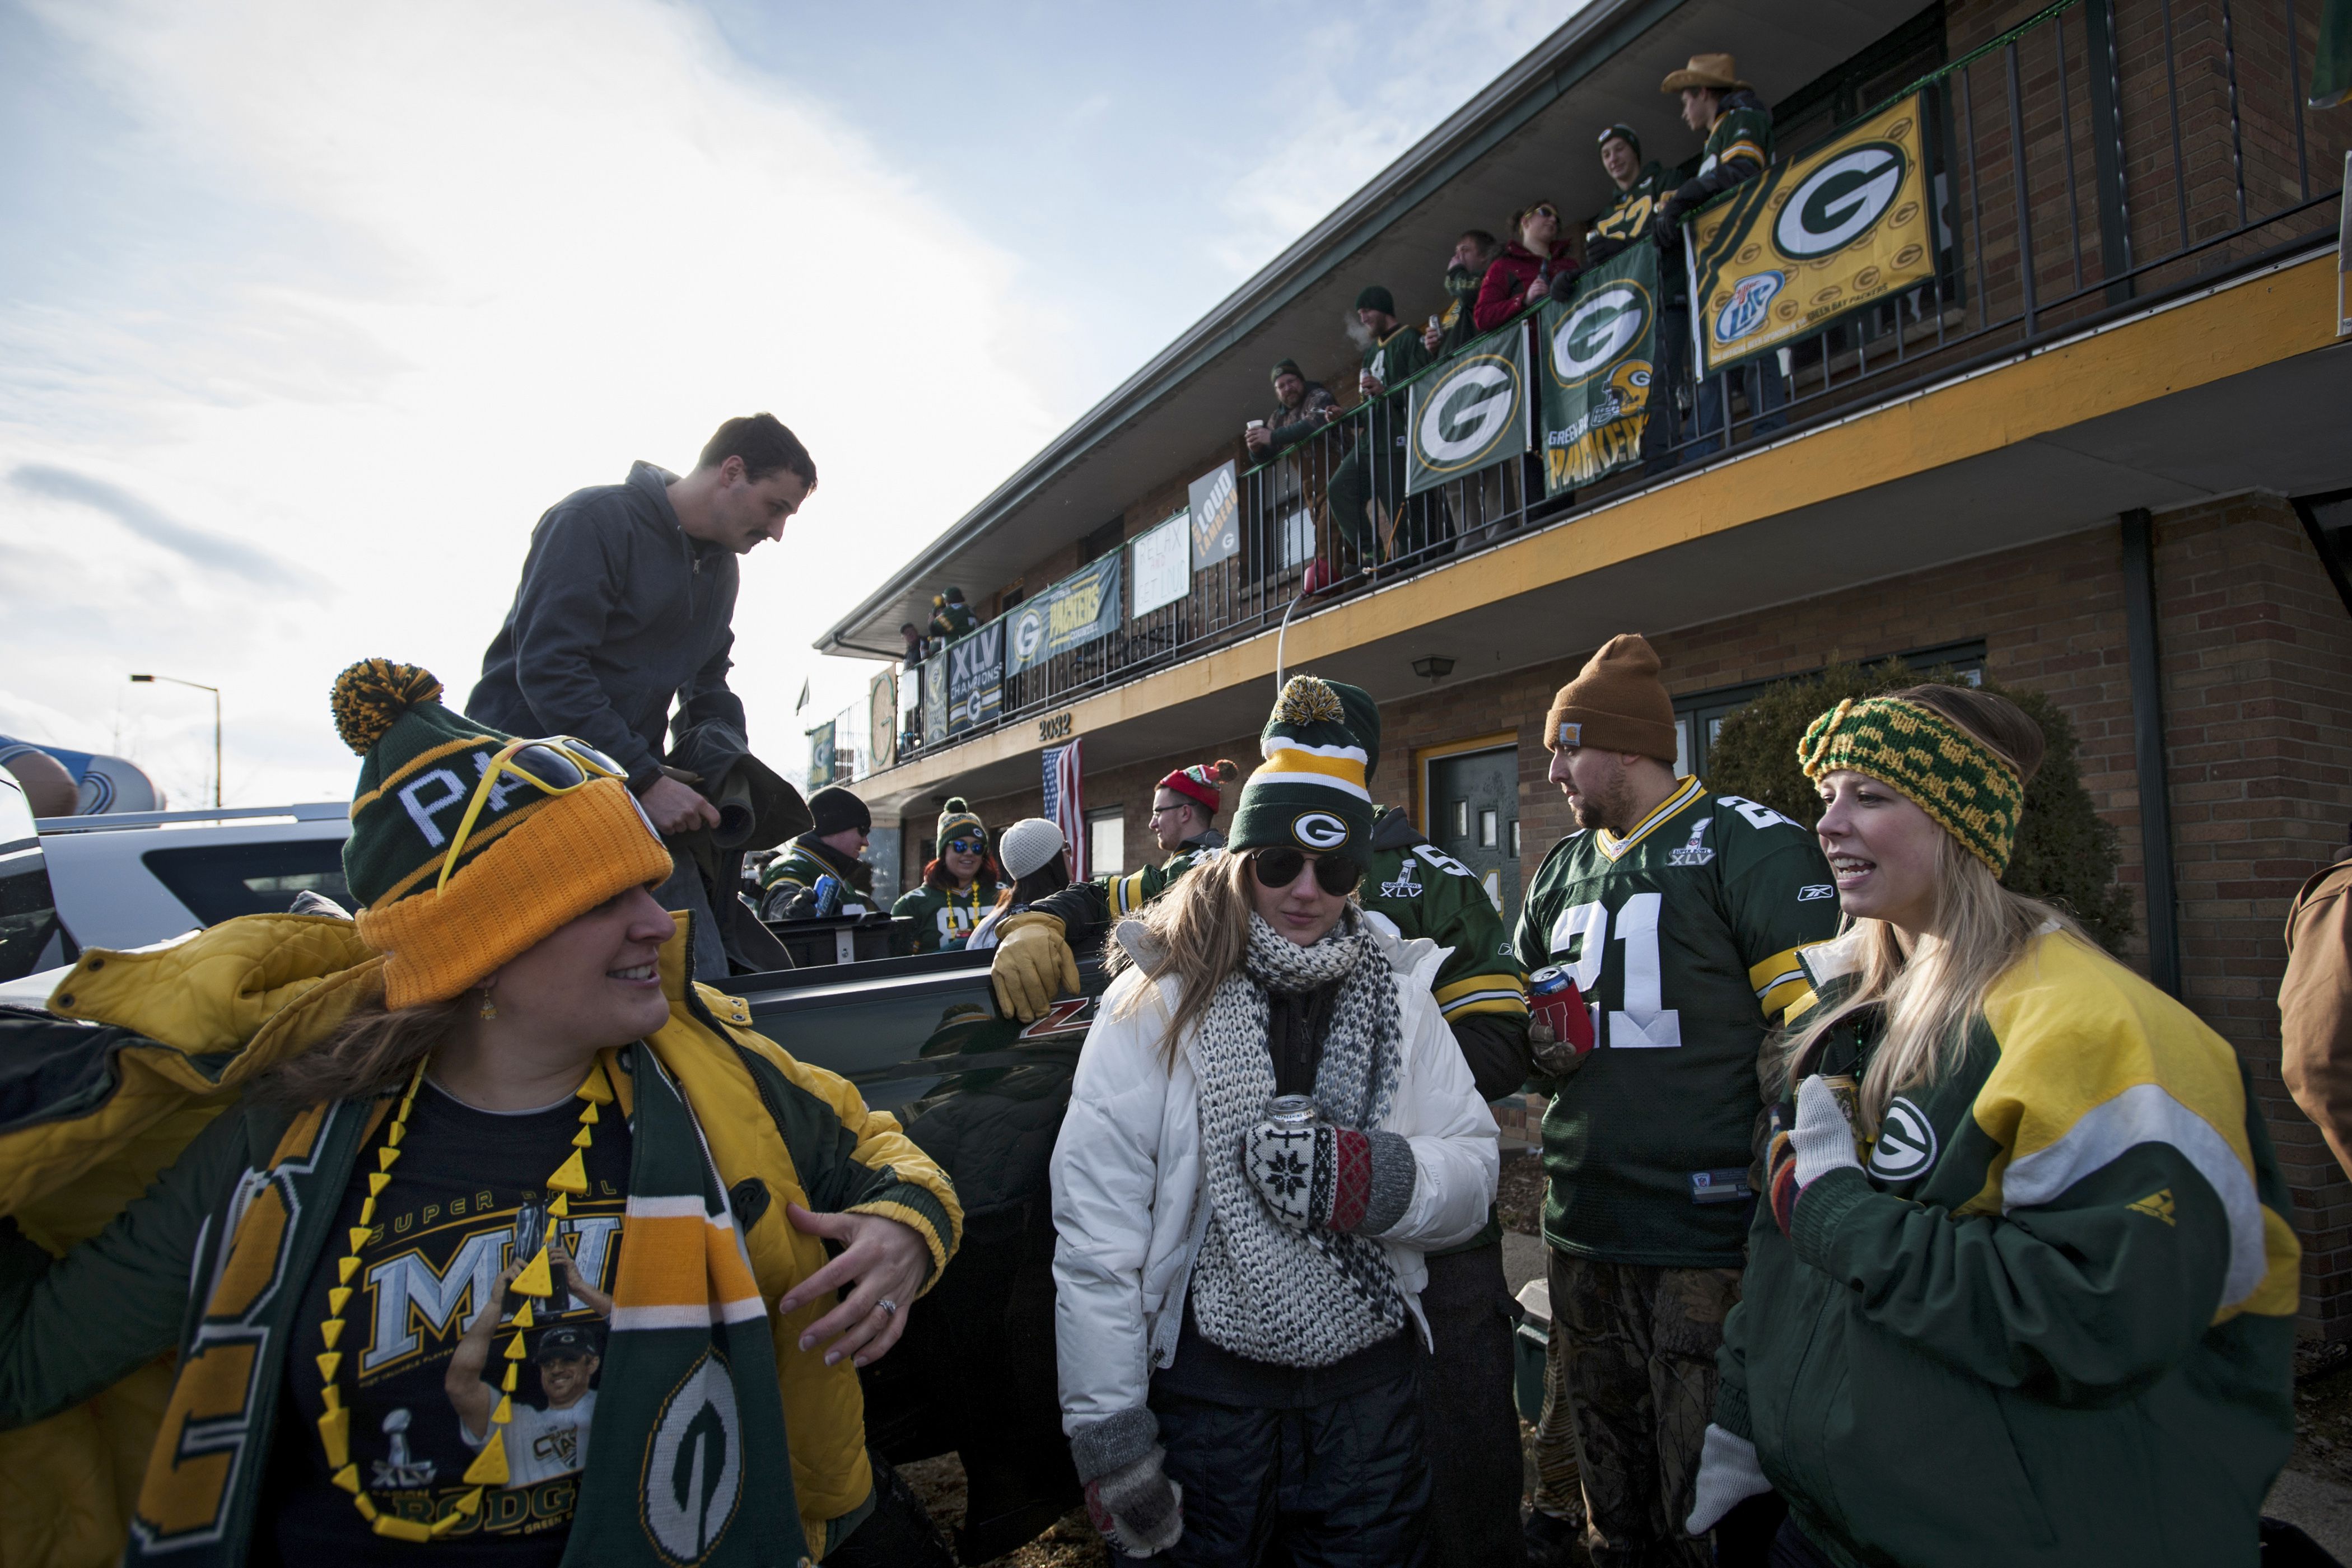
<point x="144" y="877"/>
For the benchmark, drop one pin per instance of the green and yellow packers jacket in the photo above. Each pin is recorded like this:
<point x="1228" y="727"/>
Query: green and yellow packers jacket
<point x="161" y="1232"/>
<point x="788" y="887"/>
<point x="1683" y="935"/>
<point x="2050" y="1320"/>
<point x="1628" y="217"/>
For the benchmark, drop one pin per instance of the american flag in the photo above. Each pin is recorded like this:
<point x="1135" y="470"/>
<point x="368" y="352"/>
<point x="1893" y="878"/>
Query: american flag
<point x="1065" y="806"/>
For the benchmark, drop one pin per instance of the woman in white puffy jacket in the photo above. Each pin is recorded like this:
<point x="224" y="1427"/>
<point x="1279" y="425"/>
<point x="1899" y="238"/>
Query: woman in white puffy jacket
<point x="1235" y="1296"/>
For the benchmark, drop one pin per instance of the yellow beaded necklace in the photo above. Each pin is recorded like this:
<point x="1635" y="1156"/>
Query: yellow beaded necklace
<point x="536" y="1281"/>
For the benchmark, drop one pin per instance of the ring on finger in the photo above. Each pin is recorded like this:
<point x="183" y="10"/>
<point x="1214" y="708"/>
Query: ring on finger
<point x="889" y="1307"/>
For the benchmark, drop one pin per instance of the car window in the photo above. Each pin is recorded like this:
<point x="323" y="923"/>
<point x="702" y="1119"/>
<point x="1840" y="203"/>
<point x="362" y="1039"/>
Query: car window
<point x="222" y="881"/>
<point x="29" y="913"/>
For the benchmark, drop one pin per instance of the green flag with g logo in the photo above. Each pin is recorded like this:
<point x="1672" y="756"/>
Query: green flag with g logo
<point x="1469" y="414"/>
<point x="1597" y="352"/>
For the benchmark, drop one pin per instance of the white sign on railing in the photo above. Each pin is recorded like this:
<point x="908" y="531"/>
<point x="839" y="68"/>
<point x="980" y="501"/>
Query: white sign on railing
<point x="1163" y="564"/>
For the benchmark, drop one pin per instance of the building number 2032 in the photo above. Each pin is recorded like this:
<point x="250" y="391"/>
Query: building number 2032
<point x="1056" y="727"/>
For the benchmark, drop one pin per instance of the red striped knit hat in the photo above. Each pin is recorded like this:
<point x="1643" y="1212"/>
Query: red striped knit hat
<point x="1201" y="783"/>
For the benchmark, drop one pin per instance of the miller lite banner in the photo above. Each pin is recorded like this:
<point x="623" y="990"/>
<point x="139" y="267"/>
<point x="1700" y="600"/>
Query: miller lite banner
<point x="1471" y="415"/>
<point x="1074" y="611"/>
<point x="1594" y="387"/>
<point x="1846" y="226"/>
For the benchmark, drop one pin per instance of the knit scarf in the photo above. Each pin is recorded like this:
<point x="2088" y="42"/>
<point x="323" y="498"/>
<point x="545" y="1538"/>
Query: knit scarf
<point x="1259" y="1289"/>
<point x="687" y="1460"/>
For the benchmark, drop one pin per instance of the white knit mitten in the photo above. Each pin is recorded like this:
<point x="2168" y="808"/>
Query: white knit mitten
<point x="1728" y="1474"/>
<point x="1823" y="1139"/>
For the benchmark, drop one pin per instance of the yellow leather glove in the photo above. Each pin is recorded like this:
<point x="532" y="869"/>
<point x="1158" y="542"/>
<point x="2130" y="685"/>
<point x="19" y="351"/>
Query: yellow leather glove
<point x="1034" y="965"/>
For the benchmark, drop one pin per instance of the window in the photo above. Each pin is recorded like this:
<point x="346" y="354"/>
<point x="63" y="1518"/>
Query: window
<point x="1107" y="841"/>
<point x="1515" y="838"/>
<point x="1461" y="819"/>
<point x="221" y="881"/>
<point x="1698" y="718"/>
<point x="1297" y="539"/>
<point x="1489" y="823"/>
<point x="1103" y="541"/>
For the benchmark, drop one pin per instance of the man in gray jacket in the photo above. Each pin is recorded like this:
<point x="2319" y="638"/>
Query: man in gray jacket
<point x="624" y="610"/>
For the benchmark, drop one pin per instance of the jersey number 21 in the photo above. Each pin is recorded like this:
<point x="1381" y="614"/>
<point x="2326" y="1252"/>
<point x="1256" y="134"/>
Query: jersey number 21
<point x="1643" y="1021"/>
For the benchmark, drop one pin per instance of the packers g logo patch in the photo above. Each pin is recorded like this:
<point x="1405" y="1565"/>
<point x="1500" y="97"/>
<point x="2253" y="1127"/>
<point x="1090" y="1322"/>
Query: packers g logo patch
<point x="1319" y="830"/>
<point x="1840" y="201"/>
<point x="1906" y="1149"/>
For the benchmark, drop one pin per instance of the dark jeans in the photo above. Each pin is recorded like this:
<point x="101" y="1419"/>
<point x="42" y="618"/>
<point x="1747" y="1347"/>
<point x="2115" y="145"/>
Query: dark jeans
<point x="1465" y="1395"/>
<point x="1339" y="1485"/>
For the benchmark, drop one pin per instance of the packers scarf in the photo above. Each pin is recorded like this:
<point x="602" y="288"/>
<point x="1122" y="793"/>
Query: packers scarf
<point x="687" y="1457"/>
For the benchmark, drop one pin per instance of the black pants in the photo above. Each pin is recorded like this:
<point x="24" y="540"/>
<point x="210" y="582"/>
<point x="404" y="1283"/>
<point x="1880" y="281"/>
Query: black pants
<point x="898" y="1534"/>
<point x="1476" y="1470"/>
<point x="1342" y="1485"/>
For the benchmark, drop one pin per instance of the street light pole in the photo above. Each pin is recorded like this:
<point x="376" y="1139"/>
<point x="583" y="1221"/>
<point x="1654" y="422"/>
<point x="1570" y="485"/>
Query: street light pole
<point x="200" y="686"/>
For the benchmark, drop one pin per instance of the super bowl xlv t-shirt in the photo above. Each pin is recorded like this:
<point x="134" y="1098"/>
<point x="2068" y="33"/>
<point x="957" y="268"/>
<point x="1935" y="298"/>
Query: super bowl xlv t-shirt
<point x="444" y="1229"/>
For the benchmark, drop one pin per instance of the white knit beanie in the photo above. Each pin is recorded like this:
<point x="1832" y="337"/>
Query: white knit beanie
<point x="1027" y="845"/>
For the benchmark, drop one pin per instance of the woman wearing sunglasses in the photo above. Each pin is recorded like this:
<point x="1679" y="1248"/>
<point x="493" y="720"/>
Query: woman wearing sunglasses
<point x="959" y="887"/>
<point x="1520" y="277"/>
<point x="475" y="1226"/>
<point x="1268" y="1126"/>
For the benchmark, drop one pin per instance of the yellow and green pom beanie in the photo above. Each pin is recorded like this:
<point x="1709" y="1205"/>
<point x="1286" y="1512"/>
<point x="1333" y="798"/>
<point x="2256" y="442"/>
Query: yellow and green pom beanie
<point x="534" y="861"/>
<point x="1970" y="789"/>
<point x="956" y="818"/>
<point x="1310" y="792"/>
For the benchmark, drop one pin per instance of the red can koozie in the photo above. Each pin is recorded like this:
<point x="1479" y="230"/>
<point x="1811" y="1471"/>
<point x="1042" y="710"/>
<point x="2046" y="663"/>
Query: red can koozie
<point x="1555" y="1001"/>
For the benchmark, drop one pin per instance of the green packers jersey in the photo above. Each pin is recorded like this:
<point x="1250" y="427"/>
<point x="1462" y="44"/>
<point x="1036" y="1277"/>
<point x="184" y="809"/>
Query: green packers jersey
<point x="1683" y="935"/>
<point x="1460" y="295"/>
<point x="1396" y="357"/>
<point x="1739" y="136"/>
<point x="795" y="865"/>
<point x="1629" y="217"/>
<point x="1427" y="892"/>
<point x="943" y="918"/>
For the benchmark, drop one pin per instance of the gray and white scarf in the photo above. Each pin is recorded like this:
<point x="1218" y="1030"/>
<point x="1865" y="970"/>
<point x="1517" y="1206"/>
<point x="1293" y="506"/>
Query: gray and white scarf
<point x="1260" y="1288"/>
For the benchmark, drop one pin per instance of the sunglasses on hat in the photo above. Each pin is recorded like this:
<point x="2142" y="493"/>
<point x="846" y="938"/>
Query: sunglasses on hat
<point x="556" y="765"/>
<point x="1278" y="868"/>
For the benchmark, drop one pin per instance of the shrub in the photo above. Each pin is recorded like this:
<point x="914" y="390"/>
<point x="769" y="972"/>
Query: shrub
<point x="2065" y="850"/>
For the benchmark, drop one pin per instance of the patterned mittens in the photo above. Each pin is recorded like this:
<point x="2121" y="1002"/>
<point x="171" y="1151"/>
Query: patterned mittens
<point x="1332" y="1178"/>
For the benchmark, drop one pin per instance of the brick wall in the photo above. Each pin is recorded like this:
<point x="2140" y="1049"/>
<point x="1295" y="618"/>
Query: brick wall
<point x="2255" y="647"/>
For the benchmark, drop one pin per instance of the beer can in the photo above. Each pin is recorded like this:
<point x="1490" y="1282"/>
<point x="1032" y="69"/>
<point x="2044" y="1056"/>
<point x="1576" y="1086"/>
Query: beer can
<point x="828" y="896"/>
<point x="1544" y="982"/>
<point x="1555" y="1000"/>
<point x="1847" y="1091"/>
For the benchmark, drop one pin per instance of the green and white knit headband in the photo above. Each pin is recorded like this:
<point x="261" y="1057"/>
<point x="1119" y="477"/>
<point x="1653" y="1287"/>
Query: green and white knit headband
<point x="1970" y="789"/>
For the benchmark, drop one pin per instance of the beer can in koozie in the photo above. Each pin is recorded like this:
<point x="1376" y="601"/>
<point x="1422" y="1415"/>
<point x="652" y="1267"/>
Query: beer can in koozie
<point x="1554" y="999"/>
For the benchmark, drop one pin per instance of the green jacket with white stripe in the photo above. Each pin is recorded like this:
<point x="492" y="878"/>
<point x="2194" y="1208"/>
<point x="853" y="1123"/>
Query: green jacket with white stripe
<point x="2050" y="1321"/>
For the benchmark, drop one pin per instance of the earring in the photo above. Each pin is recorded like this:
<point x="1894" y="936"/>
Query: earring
<point x="490" y="1008"/>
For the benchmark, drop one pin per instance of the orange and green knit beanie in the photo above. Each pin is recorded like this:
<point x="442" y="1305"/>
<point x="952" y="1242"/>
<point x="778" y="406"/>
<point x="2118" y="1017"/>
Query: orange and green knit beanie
<point x="1969" y="788"/>
<point x="533" y="862"/>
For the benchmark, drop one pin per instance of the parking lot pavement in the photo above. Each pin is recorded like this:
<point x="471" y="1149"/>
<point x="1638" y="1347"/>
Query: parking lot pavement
<point x="1523" y="1259"/>
<point x="2320" y="1505"/>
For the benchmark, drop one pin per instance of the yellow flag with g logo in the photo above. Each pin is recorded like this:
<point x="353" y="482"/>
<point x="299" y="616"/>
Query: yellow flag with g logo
<point x="1846" y="226"/>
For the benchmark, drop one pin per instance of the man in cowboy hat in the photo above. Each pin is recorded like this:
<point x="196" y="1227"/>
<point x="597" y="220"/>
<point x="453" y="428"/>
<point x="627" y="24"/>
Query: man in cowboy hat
<point x="1738" y="130"/>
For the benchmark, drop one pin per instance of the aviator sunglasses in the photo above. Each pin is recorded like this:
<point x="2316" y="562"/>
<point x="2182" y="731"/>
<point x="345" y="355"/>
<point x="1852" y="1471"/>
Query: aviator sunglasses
<point x="1279" y="867"/>
<point x="556" y="765"/>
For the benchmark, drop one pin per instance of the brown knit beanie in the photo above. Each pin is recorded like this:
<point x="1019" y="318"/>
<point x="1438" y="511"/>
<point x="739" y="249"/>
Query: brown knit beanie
<point x="1616" y="703"/>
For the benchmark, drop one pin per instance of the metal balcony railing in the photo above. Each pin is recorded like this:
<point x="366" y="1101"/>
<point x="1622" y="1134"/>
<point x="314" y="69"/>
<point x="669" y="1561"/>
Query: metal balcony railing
<point x="2088" y="161"/>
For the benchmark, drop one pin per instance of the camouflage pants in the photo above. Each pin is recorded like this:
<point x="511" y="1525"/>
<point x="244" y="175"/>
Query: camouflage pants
<point x="1640" y="1347"/>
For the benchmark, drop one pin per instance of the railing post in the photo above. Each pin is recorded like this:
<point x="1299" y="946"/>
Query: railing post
<point x="2146" y="676"/>
<point x="2017" y="173"/>
<point x="2107" y="150"/>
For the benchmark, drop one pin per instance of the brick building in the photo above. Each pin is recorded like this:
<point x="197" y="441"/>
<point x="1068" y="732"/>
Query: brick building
<point x="2102" y="456"/>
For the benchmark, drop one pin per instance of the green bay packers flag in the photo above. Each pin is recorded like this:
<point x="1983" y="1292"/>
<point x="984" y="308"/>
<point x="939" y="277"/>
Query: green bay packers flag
<point x="1844" y="226"/>
<point x="1594" y="390"/>
<point x="1470" y="415"/>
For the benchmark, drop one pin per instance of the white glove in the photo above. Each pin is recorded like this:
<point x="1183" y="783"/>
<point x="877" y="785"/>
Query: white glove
<point x="1729" y="1475"/>
<point x="1822" y="1138"/>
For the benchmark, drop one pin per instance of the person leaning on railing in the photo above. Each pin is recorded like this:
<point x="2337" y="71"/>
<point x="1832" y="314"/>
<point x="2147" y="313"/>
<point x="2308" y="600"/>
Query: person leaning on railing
<point x="1641" y="188"/>
<point x="1368" y="487"/>
<point x="1738" y="130"/>
<point x="1301" y="407"/>
<point x="1521" y="277"/>
<point x="1474" y="251"/>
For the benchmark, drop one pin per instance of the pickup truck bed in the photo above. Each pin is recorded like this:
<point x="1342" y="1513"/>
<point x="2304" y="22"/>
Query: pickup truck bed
<point x="921" y="1039"/>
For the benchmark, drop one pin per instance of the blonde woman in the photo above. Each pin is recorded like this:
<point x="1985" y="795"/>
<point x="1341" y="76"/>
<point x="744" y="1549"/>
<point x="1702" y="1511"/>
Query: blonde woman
<point x="2024" y="1289"/>
<point x="1236" y="1296"/>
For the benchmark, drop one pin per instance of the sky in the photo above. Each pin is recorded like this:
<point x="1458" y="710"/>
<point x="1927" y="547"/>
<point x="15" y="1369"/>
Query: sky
<point x="307" y="313"/>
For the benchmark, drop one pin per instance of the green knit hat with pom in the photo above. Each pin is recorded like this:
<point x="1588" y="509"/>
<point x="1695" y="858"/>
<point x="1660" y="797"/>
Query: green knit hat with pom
<point x="534" y="859"/>
<point x="957" y="818"/>
<point x="1309" y="792"/>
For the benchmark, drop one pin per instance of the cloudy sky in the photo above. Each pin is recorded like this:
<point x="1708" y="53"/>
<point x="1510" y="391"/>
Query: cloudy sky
<point x="307" y="312"/>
